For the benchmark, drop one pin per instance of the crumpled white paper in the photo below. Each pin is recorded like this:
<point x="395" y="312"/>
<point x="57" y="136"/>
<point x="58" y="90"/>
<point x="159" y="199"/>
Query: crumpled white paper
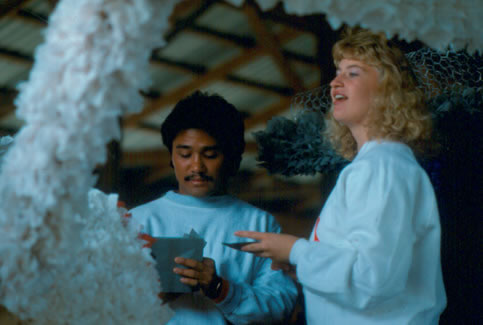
<point x="65" y="257"/>
<point x="438" y="23"/>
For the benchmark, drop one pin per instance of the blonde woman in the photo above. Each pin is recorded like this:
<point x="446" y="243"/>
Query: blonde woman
<point x="374" y="253"/>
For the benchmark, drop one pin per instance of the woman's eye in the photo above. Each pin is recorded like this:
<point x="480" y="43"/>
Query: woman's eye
<point x="353" y="74"/>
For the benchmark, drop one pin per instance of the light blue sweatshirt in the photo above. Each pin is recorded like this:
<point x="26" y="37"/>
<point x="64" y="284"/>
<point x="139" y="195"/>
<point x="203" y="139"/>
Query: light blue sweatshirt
<point x="257" y="294"/>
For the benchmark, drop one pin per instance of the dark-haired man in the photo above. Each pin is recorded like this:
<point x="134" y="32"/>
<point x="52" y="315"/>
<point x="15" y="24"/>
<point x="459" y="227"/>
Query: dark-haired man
<point x="204" y="134"/>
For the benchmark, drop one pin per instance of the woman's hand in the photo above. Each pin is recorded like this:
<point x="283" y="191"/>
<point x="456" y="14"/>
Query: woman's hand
<point x="274" y="246"/>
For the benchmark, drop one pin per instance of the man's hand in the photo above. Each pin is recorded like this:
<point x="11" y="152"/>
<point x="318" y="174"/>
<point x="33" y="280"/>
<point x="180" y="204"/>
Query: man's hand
<point x="287" y="268"/>
<point x="168" y="296"/>
<point x="274" y="246"/>
<point x="202" y="274"/>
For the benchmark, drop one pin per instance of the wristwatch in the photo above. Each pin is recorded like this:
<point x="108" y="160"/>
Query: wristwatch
<point x="215" y="287"/>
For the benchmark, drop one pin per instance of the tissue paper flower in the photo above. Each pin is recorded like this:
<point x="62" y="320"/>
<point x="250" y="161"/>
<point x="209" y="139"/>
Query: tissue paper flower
<point x="65" y="255"/>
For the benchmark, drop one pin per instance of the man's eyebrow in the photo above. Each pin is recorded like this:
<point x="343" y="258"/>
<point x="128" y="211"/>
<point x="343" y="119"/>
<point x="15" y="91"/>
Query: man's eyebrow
<point x="183" y="146"/>
<point x="214" y="147"/>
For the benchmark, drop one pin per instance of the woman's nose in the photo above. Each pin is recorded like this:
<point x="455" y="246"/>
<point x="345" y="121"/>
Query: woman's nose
<point x="336" y="82"/>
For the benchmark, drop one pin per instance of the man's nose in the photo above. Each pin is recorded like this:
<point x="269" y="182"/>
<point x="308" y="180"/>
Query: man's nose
<point x="198" y="164"/>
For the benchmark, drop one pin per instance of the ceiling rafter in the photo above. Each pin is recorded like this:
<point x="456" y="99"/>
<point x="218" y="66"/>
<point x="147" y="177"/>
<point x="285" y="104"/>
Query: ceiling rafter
<point x="244" y="42"/>
<point x="31" y="17"/>
<point x="145" y="158"/>
<point x="52" y="3"/>
<point x="181" y="24"/>
<point x="225" y="37"/>
<point x="216" y="73"/>
<point x="7" y="96"/>
<point x="198" y="69"/>
<point x="11" y="7"/>
<point x="270" y="42"/>
<point x="16" y="57"/>
<point x="271" y="111"/>
<point x="6" y="110"/>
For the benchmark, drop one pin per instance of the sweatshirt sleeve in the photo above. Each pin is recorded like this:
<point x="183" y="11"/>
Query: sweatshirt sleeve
<point x="269" y="298"/>
<point x="366" y="237"/>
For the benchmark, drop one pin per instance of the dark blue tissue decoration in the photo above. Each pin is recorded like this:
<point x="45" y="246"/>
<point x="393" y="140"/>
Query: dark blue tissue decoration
<point x="289" y="147"/>
<point x="297" y="147"/>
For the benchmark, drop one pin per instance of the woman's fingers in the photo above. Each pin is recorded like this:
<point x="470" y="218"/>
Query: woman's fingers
<point x="253" y="248"/>
<point x="250" y="234"/>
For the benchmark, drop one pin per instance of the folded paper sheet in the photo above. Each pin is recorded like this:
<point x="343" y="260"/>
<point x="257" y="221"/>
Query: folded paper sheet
<point x="165" y="249"/>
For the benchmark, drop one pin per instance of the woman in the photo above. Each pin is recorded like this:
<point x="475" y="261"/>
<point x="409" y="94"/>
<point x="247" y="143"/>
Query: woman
<point x="374" y="254"/>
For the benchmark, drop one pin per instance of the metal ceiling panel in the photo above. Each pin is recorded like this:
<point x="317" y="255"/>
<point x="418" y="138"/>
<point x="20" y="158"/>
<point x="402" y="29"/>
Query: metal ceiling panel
<point x="309" y="74"/>
<point x="191" y="48"/>
<point x="39" y="6"/>
<point x="15" y="35"/>
<point x="262" y="69"/>
<point x="249" y="161"/>
<point x="305" y="44"/>
<point x="226" y="19"/>
<point x="245" y="99"/>
<point x="157" y="118"/>
<point x="11" y="122"/>
<point x="12" y="73"/>
<point x="166" y="79"/>
<point x="140" y="140"/>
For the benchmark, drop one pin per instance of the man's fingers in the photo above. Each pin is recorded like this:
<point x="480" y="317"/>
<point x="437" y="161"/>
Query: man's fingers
<point x="190" y="273"/>
<point x="189" y="281"/>
<point x="208" y="262"/>
<point x="188" y="262"/>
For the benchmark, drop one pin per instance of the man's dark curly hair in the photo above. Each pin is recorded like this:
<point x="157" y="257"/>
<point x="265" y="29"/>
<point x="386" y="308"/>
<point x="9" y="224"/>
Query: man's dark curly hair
<point x="214" y="115"/>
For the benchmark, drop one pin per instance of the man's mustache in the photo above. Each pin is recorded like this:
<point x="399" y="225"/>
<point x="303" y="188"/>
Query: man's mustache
<point x="201" y="176"/>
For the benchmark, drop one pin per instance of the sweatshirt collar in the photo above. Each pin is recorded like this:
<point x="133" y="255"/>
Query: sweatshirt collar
<point x="201" y="202"/>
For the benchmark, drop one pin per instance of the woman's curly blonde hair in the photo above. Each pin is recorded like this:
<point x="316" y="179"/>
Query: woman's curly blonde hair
<point x="399" y="111"/>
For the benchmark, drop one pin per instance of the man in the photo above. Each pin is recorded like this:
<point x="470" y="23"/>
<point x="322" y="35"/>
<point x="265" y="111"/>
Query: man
<point x="204" y="134"/>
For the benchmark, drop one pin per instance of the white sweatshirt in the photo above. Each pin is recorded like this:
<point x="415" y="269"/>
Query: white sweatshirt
<point x="374" y="253"/>
<point x="256" y="293"/>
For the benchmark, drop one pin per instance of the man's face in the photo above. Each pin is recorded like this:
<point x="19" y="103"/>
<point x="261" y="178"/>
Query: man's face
<point x="198" y="163"/>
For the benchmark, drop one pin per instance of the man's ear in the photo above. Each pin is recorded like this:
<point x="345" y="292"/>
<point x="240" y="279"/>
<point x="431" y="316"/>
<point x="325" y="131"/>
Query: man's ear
<point x="171" y="160"/>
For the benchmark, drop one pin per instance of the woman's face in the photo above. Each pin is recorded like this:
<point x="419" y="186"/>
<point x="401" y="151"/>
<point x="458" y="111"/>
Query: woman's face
<point x="353" y="91"/>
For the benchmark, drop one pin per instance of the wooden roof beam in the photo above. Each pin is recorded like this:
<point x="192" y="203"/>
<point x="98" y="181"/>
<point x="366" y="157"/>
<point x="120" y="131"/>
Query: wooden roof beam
<point x="16" y="57"/>
<point x="31" y="17"/>
<point x="53" y="4"/>
<point x="11" y="7"/>
<point x="217" y="73"/>
<point x="145" y="158"/>
<point x="182" y="24"/>
<point x="198" y="69"/>
<point x="271" y="111"/>
<point x="7" y="96"/>
<point x="245" y="42"/>
<point x="267" y="40"/>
